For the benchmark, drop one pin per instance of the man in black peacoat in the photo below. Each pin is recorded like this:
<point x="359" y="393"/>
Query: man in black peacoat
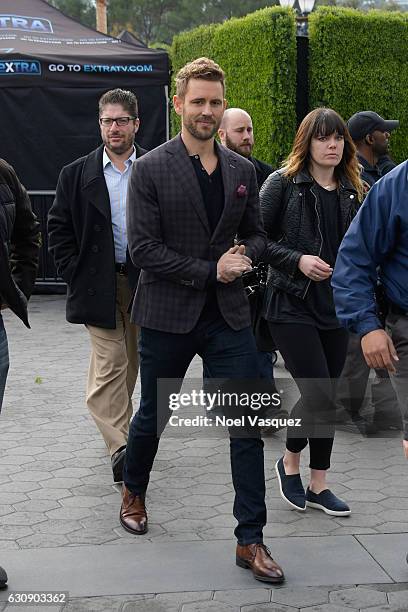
<point x="87" y="237"/>
<point x="81" y="241"/>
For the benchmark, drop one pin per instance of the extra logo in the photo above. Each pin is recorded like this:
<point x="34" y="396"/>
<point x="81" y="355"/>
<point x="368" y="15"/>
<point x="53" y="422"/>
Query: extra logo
<point x="10" y="67"/>
<point x="26" y="24"/>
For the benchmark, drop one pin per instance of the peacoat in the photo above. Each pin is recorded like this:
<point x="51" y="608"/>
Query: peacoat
<point x="81" y="241"/>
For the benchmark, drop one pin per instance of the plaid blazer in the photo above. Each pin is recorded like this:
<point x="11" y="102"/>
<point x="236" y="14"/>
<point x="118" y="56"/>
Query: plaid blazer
<point x="170" y="239"/>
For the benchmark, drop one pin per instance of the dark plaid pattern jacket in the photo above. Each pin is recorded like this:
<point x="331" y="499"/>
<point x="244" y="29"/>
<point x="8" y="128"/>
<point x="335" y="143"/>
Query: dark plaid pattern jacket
<point x="170" y="239"/>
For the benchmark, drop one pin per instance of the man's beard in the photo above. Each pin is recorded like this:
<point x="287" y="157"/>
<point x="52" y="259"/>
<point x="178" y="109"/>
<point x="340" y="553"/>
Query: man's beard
<point x="120" y="147"/>
<point x="381" y="149"/>
<point x="201" y="135"/>
<point x="237" y="149"/>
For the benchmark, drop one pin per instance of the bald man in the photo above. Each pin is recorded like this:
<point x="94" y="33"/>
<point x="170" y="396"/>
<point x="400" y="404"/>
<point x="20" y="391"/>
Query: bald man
<point x="237" y="133"/>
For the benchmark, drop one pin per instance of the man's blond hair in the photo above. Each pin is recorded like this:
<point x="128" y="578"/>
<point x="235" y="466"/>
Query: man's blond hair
<point x="201" y="68"/>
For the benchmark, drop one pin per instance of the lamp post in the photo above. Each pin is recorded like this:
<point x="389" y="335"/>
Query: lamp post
<point x="306" y="6"/>
<point x="303" y="8"/>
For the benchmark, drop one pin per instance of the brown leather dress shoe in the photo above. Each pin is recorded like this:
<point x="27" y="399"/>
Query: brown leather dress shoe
<point x="257" y="558"/>
<point x="133" y="516"/>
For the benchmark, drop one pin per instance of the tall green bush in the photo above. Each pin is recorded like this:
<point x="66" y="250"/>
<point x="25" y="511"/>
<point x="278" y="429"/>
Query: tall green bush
<point x="258" y="55"/>
<point x="359" y="61"/>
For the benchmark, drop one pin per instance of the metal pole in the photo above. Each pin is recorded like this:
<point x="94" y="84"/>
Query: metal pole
<point x="166" y="93"/>
<point x="302" y="77"/>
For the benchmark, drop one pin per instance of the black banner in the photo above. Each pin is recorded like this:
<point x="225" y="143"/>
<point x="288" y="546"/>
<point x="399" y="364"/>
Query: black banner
<point x="42" y="130"/>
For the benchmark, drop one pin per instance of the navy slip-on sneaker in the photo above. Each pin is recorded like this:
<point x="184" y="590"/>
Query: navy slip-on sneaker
<point x="291" y="488"/>
<point x="328" y="502"/>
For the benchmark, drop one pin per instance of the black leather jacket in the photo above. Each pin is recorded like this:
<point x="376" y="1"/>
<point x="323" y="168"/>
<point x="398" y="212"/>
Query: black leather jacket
<point x="19" y="243"/>
<point x="291" y="213"/>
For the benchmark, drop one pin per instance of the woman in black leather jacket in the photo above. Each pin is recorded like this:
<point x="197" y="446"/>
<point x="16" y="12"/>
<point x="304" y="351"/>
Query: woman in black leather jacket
<point x="307" y="207"/>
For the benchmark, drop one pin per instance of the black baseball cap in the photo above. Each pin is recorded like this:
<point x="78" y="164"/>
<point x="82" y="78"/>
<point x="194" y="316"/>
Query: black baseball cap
<point x="365" y="122"/>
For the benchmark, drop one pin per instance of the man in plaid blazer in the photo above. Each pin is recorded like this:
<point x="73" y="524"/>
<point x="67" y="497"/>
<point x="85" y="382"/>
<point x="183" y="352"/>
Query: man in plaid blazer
<point x="187" y="201"/>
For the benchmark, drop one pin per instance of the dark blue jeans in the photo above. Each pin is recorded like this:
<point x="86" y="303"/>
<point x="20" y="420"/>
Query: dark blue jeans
<point x="226" y="354"/>
<point x="4" y="362"/>
<point x="265" y="364"/>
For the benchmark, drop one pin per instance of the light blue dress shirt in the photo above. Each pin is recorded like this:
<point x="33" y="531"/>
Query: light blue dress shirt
<point x="117" y="182"/>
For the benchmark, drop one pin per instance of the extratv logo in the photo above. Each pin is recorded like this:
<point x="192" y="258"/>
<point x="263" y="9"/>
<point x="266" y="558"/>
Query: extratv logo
<point x="26" y="24"/>
<point x="17" y="67"/>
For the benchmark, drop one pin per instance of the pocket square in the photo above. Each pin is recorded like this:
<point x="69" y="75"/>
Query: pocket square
<point x="242" y="191"/>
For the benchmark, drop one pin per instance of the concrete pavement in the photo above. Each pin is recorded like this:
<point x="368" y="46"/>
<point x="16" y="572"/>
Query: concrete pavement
<point x="59" y="527"/>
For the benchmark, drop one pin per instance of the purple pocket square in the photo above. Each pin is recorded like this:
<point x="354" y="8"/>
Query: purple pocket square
<point x="242" y="191"/>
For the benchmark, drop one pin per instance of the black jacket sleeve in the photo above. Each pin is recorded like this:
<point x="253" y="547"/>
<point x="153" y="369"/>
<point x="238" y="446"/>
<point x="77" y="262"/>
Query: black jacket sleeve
<point x="274" y="197"/>
<point x="25" y="236"/>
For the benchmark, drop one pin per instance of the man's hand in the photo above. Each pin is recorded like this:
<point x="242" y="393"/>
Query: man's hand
<point x="314" y="268"/>
<point x="379" y="351"/>
<point x="233" y="264"/>
<point x="405" y="447"/>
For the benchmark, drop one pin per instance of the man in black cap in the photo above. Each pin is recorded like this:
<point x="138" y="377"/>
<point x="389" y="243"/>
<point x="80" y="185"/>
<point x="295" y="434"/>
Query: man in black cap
<point x="371" y="135"/>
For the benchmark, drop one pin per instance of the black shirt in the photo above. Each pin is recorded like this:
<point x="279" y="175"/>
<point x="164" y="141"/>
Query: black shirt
<point x="317" y="308"/>
<point x="212" y="190"/>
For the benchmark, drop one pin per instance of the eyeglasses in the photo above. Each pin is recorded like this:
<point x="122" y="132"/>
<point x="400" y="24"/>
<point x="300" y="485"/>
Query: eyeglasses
<point x="120" y="121"/>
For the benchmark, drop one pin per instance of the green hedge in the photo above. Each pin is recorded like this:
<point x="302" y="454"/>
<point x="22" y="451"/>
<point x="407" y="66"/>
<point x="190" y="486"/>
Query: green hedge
<point x="359" y="61"/>
<point x="258" y="55"/>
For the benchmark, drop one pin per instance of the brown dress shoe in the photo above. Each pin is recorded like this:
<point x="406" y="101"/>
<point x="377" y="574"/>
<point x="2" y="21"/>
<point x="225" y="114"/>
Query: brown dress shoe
<point x="257" y="558"/>
<point x="133" y="515"/>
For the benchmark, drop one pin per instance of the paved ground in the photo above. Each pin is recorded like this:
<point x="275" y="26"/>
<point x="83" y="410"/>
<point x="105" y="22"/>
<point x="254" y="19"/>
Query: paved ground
<point x="59" y="527"/>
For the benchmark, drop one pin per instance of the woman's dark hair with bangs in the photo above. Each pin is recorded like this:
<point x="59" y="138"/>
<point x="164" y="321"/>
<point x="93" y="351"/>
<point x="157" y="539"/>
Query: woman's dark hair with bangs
<point x="324" y="122"/>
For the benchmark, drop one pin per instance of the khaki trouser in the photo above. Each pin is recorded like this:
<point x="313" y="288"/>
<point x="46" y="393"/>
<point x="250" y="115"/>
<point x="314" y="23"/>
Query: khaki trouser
<point x="113" y="371"/>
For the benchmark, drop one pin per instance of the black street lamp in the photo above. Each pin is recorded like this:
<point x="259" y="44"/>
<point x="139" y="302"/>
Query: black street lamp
<point x="303" y="9"/>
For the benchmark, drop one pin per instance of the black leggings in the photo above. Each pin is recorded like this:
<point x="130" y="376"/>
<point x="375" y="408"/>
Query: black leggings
<point x="312" y="354"/>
